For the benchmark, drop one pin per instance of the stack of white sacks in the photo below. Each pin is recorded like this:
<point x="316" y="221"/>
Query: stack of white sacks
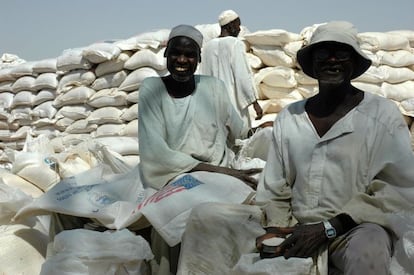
<point x="55" y="113"/>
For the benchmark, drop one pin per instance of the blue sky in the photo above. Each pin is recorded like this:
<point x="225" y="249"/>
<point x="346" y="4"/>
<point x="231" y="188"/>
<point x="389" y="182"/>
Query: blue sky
<point x="40" y="29"/>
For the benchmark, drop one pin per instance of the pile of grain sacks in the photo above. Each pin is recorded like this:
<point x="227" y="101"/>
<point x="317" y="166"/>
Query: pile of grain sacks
<point x="54" y="113"/>
<point x="92" y="92"/>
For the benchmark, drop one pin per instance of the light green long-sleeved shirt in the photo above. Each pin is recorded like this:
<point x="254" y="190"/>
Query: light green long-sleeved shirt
<point x="363" y="166"/>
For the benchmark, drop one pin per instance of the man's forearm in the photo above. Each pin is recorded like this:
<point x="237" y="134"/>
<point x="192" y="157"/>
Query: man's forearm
<point x="202" y="166"/>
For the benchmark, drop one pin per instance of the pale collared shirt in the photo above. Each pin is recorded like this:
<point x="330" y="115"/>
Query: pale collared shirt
<point x="361" y="166"/>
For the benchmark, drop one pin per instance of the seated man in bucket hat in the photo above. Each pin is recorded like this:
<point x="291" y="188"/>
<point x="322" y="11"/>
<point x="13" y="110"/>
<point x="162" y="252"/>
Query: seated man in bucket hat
<point x="340" y="166"/>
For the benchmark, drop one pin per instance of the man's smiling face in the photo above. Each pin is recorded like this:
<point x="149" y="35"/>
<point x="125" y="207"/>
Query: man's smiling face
<point x="183" y="55"/>
<point x="333" y="62"/>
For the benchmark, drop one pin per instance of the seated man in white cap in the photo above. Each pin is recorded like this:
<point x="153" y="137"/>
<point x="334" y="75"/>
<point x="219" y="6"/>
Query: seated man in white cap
<point x="186" y="124"/>
<point x="339" y="169"/>
<point x="187" y="120"/>
<point x="225" y="57"/>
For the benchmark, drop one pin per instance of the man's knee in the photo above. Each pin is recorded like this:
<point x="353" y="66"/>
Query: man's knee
<point x="367" y="250"/>
<point x="372" y="237"/>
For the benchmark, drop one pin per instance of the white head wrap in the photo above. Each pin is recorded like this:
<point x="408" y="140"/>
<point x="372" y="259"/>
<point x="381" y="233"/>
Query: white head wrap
<point x="227" y="16"/>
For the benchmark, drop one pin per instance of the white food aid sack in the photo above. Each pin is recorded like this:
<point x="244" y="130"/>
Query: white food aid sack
<point x="168" y="209"/>
<point x="121" y="200"/>
<point x="110" y="199"/>
<point x="22" y="245"/>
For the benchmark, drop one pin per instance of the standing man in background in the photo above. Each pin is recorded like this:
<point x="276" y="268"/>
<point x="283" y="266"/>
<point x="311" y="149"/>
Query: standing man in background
<point x="224" y="57"/>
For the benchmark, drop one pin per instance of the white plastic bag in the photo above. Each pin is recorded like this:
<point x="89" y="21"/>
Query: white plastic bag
<point x="90" y="252"/>
<point x="251" y="264"/>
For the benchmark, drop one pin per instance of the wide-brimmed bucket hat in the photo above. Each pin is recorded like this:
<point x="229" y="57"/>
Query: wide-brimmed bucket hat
<point x="335" y="31"/>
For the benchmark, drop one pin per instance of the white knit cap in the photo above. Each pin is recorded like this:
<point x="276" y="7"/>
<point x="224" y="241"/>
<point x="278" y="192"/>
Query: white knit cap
<point x="227" y="16"/>
<point x="187" y="31"/>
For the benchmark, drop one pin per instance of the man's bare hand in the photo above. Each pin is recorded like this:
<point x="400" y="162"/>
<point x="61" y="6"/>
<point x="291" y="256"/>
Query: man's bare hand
<point x="258" y="109"/>
<point x="246" y="175"/>
<point x="304" y="241"/>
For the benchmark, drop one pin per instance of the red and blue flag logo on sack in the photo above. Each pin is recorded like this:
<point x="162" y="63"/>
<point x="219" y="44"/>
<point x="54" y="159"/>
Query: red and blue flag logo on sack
<point x="184" y="183"/>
